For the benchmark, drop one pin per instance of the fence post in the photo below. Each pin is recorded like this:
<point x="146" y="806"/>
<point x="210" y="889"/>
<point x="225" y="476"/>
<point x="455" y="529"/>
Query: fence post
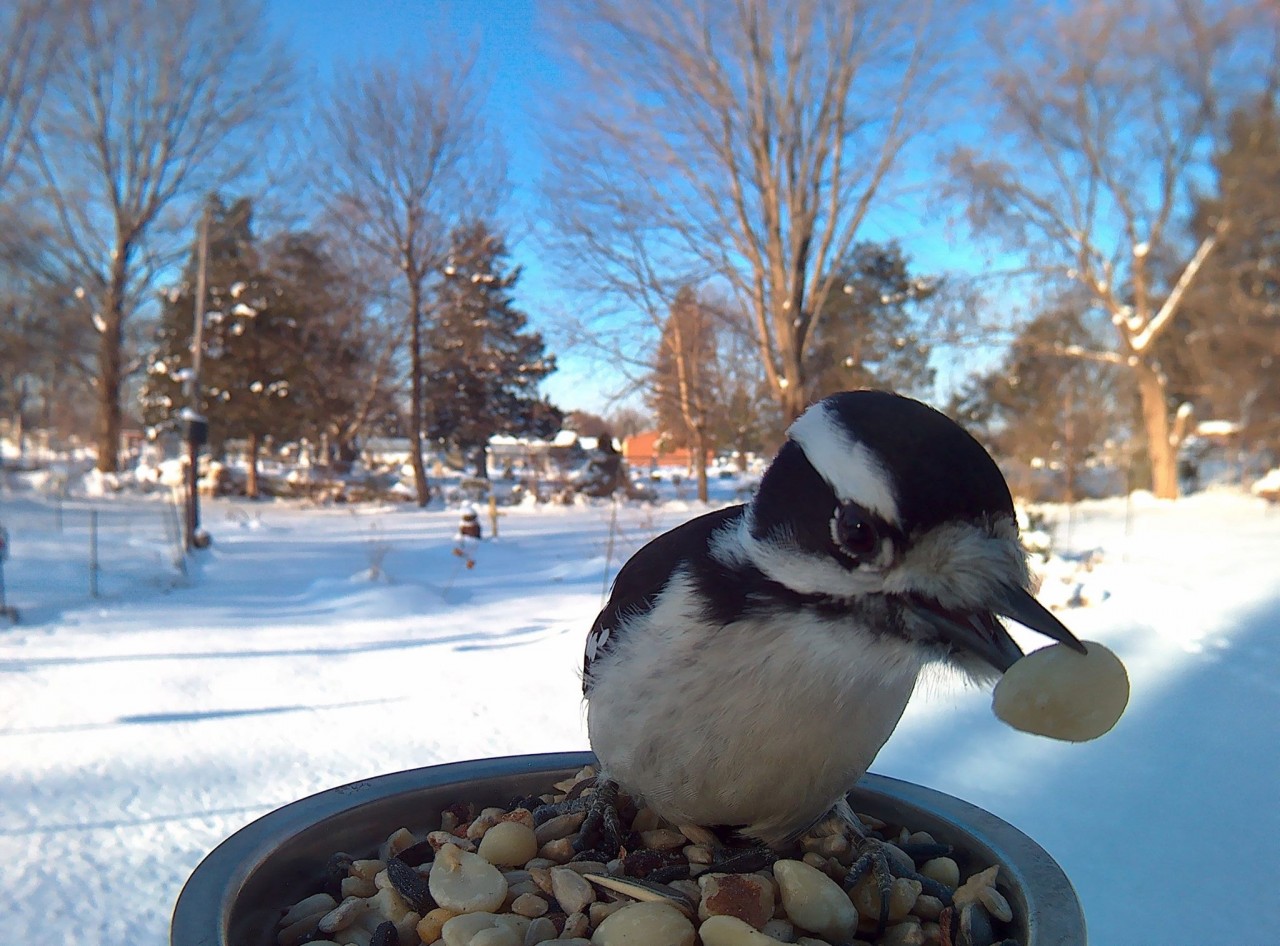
<point x="93" y="553"/>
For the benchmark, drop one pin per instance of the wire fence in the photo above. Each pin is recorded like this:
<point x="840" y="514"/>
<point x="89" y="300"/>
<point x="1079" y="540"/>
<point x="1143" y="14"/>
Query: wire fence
<point x="64" y="551"/>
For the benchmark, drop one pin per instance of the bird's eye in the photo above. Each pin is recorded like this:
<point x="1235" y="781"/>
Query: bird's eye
<point x="856" y="532"/>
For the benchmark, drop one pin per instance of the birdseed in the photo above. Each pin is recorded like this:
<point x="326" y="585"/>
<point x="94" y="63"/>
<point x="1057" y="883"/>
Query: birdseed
<point x="432" y="886"/>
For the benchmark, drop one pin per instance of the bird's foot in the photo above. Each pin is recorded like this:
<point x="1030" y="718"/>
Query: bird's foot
<point x="724" y="851"/>
<point x="600" y="836"/>
<point x="883" y="863"/>
<point x="601" y="833"/>
<point x="872" y="859"/>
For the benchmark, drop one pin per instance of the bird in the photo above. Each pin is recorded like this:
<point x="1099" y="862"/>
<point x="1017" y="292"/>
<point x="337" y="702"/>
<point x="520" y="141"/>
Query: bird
<point x="749" y="664"/>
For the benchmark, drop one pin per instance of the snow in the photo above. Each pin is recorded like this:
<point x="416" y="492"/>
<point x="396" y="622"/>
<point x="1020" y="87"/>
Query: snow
<point x="142" y="727"/>
<point x="1267" y="485"/>
<point x="1218" y="428"/>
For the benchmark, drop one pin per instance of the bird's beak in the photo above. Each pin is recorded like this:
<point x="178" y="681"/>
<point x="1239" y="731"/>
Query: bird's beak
<point x="1018" y="604"/>
<point x="982" y="634"/>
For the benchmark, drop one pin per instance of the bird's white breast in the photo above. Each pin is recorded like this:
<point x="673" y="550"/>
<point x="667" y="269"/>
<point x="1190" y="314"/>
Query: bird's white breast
<point x="763" y="723"/>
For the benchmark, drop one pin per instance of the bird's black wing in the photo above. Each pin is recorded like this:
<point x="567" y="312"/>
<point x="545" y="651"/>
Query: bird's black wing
<point x="645" y="574"/>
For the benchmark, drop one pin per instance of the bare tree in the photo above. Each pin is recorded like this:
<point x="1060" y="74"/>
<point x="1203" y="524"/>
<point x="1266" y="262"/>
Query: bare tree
<point x="410" y="158"/>
<point x="1104" y="116"/>
<point x="683" y="386"/>
<point x="745" y="142"/>
<point x="152" y="105"/>
<point x="29" y="34"/>
<point x="42" y="377"/>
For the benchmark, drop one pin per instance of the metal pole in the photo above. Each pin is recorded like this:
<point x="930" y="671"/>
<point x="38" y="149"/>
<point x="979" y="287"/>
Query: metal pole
<point x="5" y="610"/>
<point x="193" y="388"/>
<point x="93" y="553"/>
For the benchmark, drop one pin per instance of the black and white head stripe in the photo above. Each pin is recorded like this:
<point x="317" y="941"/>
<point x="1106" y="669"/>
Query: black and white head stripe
<point x="900" y="459"/>
<point x="852" y="470"/>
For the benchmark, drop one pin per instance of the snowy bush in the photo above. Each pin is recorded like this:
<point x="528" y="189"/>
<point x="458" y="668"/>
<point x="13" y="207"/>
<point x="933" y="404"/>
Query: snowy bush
<point x="1268" y="487"/>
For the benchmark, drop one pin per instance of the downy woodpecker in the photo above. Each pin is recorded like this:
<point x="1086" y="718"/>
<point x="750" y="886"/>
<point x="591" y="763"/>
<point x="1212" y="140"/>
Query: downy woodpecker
<point x="749" y="664"/>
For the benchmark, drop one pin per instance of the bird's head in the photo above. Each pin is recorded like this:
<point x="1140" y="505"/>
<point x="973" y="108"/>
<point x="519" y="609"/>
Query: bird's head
<point x="879" y="498"/>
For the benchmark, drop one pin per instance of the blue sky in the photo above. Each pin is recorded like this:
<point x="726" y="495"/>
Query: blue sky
<point x="329" y="35"/>
<point x="520" y="71"/>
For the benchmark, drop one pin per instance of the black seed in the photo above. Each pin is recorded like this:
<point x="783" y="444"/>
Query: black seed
<point x="664" y="875"/>
<point x="745" y="860"/>
<point x="385" y="935"/>
<point x="415" y="855"/>
<point x="410" y="885"/>
<point x="462" y="811"/>
<point x="925" y="851"/>
<point x="595" y="854"/>
<point x="644" y="862"/>
<point x="641" y="863"/>
<point x="336" y="871"/>
<point x="935" y="889"/>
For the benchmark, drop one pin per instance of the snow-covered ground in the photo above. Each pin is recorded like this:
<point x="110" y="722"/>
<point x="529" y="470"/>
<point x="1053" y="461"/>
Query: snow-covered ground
<point x="140" y="728"/>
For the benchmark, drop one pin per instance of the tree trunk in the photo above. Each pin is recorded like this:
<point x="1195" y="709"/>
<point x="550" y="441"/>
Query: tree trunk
<point x="251" y="484"/>
<point x="793" y="401"/>
<point x="742" y="451"/>
<point x="415" y="392"/>
<point x="481" y="458"/>
<point x="792" y="397"/>
<point x="345" y="453"/>
<point x="110" y="378"/>
<point x="111" y="357"/>
<point x="1155" y="420"/>
<point x="700" y="461"/>
<point x="19" y="426"/>
<point x="1069" y="446"/>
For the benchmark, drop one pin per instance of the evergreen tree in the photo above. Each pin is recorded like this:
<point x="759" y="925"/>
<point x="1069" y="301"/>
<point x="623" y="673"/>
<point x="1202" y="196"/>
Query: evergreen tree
<point x="870" y="336"/>
<point x="1040" y="407"/>
<point x="251" y="349"/>
<point x="1230" y="339"/>
<point x="483" y="365"/>
<point x="230" y="261"/>
<point x="344" y="381"/>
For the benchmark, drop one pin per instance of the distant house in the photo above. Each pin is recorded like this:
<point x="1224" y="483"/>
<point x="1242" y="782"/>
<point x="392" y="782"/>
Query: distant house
<point x="649" y="450"/>
<point x="386" y="451"/>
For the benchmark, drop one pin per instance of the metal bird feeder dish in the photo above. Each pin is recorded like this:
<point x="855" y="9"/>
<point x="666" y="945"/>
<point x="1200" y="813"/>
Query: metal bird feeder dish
<point x="236" y="895"/>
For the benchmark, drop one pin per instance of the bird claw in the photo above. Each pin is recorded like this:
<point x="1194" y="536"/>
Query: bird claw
<point x="601" y="830"/>
<point x="872" y="859"/>
<point x="600" y="836"/>
<point x="885" y="864"/>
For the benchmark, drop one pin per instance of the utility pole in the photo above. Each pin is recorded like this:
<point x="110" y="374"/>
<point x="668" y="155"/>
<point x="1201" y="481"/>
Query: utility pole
<point x="195" y="424"/>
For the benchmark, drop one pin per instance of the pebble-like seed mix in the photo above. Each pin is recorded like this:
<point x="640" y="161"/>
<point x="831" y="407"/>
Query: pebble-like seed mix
<point x="494" y="878"/>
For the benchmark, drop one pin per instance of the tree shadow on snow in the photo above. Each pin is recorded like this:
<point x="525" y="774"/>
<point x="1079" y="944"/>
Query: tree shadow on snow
<point x="1179" y="797"/>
